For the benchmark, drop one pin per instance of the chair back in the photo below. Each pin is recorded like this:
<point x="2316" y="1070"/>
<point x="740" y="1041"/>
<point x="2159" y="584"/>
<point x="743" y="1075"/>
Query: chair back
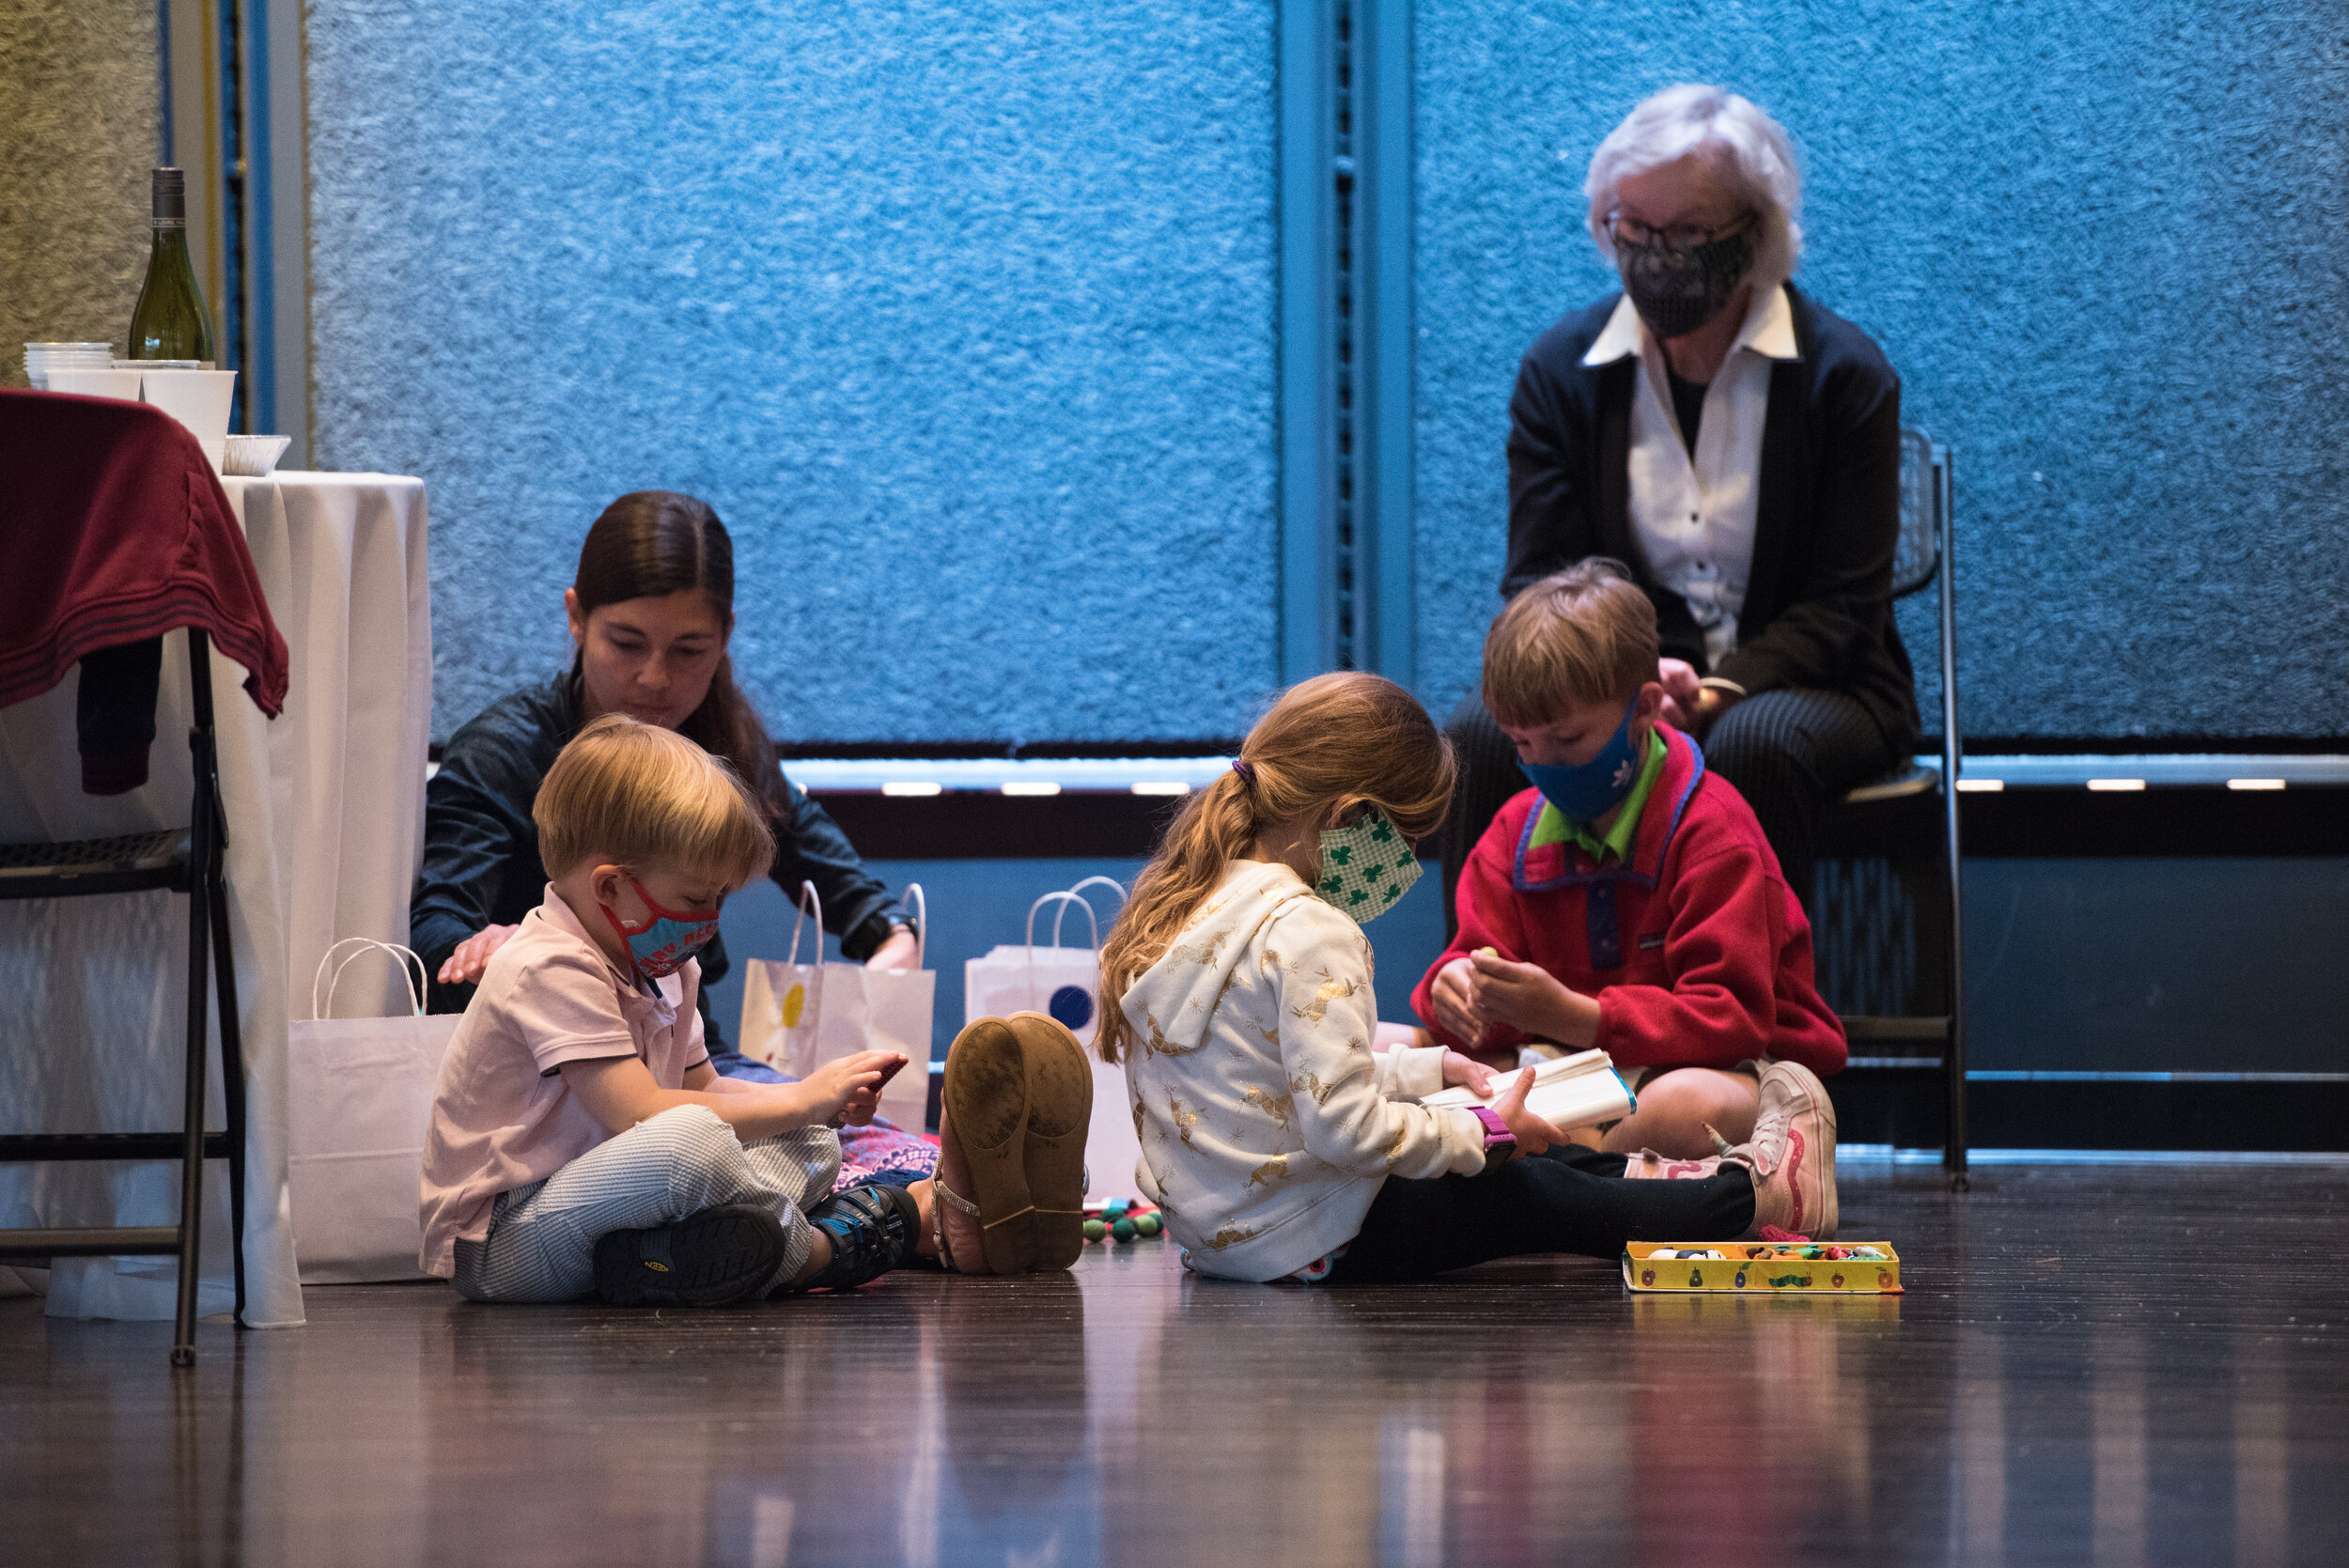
<point x="1925" y="492"/>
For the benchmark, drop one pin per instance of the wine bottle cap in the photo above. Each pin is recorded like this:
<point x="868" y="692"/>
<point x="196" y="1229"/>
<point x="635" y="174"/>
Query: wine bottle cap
<point x="171" y="198"/>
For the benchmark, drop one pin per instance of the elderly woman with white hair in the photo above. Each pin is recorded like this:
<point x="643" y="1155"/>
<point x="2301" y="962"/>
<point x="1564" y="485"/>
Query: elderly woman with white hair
<point x="1737" y="445"/>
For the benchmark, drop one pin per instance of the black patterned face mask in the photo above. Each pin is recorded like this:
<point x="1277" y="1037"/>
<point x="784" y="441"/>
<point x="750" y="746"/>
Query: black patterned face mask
<point x="1676" y="291"/>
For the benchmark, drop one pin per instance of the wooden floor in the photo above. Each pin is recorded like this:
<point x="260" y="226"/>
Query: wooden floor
<point x="2125" y="1365"/>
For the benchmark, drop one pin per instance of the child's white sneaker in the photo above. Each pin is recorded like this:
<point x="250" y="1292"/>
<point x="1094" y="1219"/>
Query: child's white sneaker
<point x="1792" y="1154"/>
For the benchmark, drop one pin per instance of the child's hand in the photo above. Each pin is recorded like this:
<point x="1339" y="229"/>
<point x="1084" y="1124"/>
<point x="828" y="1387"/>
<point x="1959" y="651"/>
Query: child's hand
<point x="1529" y="997"/>
<point x="1468" y="1073"/>
<point x="1455" y="1004"/>
<point x="1534" y="1133"/>
<point x="848" y="1088"/>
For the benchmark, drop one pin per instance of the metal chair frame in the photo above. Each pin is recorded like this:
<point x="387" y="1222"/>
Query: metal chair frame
<point x="1948" y="1031"/>
<point x="196" y="866"/>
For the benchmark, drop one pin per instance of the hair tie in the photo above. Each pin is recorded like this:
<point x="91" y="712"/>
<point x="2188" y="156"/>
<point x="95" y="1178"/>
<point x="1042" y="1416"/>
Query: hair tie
<point x="1247" y="772"/>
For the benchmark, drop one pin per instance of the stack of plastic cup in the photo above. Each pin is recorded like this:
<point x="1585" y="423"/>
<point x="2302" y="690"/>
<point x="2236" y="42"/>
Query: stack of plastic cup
<point x="42" y="358"/>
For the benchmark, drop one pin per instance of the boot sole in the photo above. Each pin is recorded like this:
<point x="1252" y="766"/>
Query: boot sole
<point x="718" y="1258"/>
<point x="986" y="1096"/>
<point x="1060" y="1113"/>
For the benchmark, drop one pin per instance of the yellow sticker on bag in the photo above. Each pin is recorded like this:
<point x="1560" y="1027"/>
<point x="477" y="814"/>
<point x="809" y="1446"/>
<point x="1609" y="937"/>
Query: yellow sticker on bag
<point x="793" y="1003"/>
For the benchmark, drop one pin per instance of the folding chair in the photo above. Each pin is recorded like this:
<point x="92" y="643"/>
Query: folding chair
<point x="1903" y="1045"/>
<point x="191" y="860"/>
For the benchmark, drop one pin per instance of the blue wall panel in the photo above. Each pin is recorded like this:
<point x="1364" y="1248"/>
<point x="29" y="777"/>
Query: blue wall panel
<point x="2101" y="241"/>
<point x="961" y="312"/>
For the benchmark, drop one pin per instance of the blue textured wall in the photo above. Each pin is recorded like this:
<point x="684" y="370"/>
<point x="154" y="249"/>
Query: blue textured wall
<point x="2105" y="245"/>
<point x="960" y="313"/>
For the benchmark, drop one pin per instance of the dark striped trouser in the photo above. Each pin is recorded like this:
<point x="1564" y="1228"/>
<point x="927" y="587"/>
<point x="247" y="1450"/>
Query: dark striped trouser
<point x="541" y="1245"/>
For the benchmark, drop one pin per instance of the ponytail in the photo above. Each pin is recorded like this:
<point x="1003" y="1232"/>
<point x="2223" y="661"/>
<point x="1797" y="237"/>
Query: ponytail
<point x="1217" y="826"/>
<point x="1328" y="746"/>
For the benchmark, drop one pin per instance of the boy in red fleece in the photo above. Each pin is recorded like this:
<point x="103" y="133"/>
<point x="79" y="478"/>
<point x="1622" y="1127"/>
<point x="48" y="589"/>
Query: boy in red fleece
<point x="1628" y="900"/>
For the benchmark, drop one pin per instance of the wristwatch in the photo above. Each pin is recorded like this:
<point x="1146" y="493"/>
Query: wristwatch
<point x="1501" y="1144"/>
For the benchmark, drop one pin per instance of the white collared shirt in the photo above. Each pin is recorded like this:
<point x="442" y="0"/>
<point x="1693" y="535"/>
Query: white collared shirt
<point x="1693" y="518"/>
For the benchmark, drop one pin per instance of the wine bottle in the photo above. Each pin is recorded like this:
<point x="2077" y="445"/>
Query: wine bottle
<point x="170" y="321"/>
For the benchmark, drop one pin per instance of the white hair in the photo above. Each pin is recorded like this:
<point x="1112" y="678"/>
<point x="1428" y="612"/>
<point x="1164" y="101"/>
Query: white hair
<point x="1749" y="148"/>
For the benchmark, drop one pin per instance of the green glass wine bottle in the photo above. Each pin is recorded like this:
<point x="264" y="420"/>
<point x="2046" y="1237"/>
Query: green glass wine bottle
<point x="171" y="321"/>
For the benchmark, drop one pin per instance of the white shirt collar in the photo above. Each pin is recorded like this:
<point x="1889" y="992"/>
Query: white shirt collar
<point x="1769" y="331"/>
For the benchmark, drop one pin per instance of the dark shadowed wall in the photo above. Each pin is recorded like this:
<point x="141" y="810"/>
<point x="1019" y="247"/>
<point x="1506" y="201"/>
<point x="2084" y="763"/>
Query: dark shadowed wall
<point x="2106" y="245"/>
<point x="960" y="312"/>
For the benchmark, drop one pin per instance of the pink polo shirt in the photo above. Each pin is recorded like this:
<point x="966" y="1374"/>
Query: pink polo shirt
<point x="502" y="1115"/>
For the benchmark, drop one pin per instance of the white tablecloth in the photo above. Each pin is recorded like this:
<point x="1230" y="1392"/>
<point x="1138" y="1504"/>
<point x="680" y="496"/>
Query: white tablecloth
<point x="325" y="808"/>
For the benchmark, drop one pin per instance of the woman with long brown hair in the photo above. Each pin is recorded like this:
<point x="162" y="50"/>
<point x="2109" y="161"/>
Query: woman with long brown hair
<point x="652" y="611"/>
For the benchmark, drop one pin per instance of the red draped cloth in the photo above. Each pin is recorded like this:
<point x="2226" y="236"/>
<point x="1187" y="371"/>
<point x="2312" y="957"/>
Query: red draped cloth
<point x="113" y="529"/>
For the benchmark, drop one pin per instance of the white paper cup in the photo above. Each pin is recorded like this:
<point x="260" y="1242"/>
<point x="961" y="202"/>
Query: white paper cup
<point x="198" y="400"/>
<point x="96" y="384"/>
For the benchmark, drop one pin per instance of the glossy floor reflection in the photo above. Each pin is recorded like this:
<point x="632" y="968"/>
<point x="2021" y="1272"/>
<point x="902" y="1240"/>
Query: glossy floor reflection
<point x="2092" y="1365"/>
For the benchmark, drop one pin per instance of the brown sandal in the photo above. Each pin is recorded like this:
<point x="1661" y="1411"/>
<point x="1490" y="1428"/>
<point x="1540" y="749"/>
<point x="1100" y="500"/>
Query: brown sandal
<point x="942" y="1193"/>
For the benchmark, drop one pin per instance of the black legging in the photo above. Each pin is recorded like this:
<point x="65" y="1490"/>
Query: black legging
<point x="1791" y="753"/>
<point x="1570" y="1200"/>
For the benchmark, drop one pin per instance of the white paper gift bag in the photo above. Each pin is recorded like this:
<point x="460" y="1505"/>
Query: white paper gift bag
<point x="1065" y="982"/>
<point x="797" y="1016"/>
<point x="359" y="1101"/>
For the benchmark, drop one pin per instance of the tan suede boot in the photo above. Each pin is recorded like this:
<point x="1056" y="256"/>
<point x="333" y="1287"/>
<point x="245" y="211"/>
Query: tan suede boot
<point x="1020" y="1096"/>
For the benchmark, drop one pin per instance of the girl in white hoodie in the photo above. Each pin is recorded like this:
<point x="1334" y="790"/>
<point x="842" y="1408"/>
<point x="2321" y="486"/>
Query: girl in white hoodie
<point x="1237" y="990"/>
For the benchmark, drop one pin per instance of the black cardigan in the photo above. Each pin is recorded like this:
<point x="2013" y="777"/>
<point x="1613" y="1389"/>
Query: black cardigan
<point x="1818" y="606"/>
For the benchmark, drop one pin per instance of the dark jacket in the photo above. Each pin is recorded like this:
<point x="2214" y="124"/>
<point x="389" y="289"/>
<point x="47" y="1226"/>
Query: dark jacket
<point x="481" y="863"/>
<point x="1818" y="606"/>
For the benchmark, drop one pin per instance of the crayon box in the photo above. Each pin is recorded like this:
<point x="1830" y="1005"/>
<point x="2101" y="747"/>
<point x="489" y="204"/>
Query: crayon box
<point x="1766" y="1267"/>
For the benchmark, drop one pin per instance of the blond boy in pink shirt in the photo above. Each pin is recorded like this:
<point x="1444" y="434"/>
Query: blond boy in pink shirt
<point x="581" y="1144"/>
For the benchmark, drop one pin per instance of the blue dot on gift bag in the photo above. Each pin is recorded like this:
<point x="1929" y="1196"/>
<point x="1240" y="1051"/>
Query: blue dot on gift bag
<point x="1071" y="1006"/>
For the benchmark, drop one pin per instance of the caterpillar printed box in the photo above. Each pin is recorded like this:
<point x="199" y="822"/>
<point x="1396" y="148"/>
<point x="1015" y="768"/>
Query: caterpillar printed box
<point x="1767" y="1268"/>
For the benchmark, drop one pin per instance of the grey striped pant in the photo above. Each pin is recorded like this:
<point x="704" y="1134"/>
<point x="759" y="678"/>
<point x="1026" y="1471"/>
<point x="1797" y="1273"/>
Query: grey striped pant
<point x="541" y="1245"/>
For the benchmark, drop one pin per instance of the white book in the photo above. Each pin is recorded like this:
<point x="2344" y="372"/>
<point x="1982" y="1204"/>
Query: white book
<point x="1569" y="1091"/>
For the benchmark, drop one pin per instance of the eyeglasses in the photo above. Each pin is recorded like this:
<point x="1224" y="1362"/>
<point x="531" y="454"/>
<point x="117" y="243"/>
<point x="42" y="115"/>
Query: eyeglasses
<point x="1673" y="236"/>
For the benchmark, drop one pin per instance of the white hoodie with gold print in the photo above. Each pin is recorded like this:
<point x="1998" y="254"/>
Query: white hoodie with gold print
<point x="1267" y="1122"/>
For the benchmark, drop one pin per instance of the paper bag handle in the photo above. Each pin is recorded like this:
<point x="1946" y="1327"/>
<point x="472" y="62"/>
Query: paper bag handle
<point x="1063" y="900"/>
<point x="809" y="905"/>
<point x="319" y="1004"/>
<point x="1078" y="893"/>
<point x="921" y="902"/>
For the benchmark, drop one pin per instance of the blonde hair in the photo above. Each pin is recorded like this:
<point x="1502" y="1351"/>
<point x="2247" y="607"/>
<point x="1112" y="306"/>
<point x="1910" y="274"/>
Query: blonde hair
<point x="648" y="797"/>
<point x="1338" y="742"/>
<point x="1580" y="636"/>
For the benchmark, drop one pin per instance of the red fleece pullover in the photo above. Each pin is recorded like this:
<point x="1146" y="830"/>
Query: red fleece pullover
<point x="1697" y="950"/>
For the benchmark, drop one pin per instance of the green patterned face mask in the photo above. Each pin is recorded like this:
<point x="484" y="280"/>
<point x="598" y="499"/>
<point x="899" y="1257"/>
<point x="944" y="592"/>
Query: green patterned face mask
<point x="1366" y="868"/>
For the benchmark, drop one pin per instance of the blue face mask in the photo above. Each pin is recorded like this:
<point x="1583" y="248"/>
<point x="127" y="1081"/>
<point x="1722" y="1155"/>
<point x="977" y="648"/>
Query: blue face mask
<point x="1589" y="791"/>
<point x="666" y="939"/>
